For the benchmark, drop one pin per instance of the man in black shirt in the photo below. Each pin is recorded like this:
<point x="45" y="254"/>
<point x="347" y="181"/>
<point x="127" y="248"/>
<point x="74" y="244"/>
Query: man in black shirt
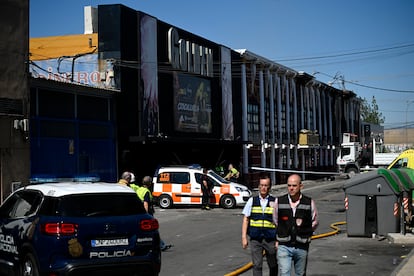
<point x="206" y="190"/>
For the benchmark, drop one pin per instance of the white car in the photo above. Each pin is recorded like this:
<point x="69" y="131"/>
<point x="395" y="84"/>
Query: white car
<point x="181" y="185"/>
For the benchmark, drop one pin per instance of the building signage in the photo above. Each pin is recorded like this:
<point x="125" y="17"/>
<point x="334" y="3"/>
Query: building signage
<point x="80" y="70"/>
<point x="189" y="56"/>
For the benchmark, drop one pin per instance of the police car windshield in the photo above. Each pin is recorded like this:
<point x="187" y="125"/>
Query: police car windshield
<point x="218" y="177"/>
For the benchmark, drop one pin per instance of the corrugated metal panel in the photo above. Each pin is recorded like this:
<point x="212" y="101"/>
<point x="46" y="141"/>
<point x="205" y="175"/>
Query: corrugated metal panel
<point x="68" y="45"/>
<point x="11" y="106"/>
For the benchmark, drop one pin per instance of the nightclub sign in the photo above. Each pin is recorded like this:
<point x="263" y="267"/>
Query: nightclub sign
<point x="188" y="56"/>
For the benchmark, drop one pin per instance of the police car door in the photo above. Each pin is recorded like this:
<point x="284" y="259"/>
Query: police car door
<point x="15" y="221"/>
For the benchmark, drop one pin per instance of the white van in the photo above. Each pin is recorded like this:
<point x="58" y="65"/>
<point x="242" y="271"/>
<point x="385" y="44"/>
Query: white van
<point x="181" y="185"/>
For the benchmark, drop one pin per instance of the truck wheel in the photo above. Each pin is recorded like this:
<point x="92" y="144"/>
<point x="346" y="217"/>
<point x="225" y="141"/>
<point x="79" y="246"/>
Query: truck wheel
<point x="351" y="172"/>
<point x="228" y="202"/>
<point x="165" y="201"/>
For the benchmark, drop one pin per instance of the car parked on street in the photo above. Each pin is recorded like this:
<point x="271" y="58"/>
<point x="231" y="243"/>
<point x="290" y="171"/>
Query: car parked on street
<point x="77" y="229"/>
<point x="181" y="185"/>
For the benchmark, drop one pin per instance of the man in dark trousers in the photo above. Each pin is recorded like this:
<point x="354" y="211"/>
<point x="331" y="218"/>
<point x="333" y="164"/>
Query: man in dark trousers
<point x="145" y="195"/>
<point x="296" y="218"/>
<point x="258" y="225"/>
<point x="206" y="190"/>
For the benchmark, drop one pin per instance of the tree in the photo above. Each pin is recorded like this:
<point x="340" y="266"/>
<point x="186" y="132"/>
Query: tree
<point x="370" y="113"/>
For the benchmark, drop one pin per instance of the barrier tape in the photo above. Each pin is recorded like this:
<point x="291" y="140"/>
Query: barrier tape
<point x="293" y="171"/>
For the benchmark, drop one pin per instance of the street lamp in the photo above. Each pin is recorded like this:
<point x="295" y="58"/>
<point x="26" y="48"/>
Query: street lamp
<point x="406" y="122"/>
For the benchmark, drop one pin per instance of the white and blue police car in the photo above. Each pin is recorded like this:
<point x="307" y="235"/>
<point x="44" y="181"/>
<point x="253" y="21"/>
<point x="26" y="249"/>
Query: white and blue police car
<point x="77" y="229"/>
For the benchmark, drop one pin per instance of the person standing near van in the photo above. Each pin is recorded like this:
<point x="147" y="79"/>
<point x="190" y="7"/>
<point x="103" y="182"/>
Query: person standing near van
<point x="145" y="195"/>
<point x="258" y="225"/>
<point x="126" y="178"/>
<point x="206" y="190"/>
<point x="233" y="174"/>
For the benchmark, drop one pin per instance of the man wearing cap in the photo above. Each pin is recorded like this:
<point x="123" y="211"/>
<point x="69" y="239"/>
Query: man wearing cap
<point x="145" y="196"/>
<point x="126" y="178"/>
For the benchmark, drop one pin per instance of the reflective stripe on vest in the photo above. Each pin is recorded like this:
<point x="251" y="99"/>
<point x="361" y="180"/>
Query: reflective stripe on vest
<point x="262" y="223"/>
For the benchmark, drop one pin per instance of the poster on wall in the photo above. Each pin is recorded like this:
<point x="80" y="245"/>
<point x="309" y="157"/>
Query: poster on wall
<point x="149" y="71"/>
<point x="192" y="104"/>
<point x="227" y="106"/>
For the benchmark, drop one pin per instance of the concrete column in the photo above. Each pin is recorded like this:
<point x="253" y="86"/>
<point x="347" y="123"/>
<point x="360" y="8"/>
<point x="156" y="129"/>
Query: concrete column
<point x="307" y="101"/>
<point x="314" y="125"/>
<point x="325" y="128"/>
<point x="262" y="119"/>
<point x="244" y="119"/>
<point x="279" y="119"/>
<point x="320" y="128"/>
<point x="287" y="113"/>
<point x="272" y="125"/>
<point x="330" y="131"/>
<point x="295" y="139"/>
<point x="302" y="104"/>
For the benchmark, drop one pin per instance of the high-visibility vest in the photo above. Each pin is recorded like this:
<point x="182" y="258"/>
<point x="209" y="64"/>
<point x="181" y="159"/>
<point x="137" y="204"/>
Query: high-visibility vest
<point x="261" y="224"/>
<point x="141" y="191"/>
<point x="298" y="228"/>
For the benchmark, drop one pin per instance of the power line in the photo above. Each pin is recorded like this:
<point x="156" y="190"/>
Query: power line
<point x="368" y="86"/>
<point x="348" y="54"/>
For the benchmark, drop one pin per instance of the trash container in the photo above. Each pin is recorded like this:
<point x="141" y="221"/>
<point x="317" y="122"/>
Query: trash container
<point x="406" y="177"/>
<point x="372" y="203"/>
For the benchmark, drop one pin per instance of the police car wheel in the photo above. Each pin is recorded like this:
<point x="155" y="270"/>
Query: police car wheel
<point x="28" y="266"/>
<point x="227" y="202"/>
<point x="165" y="201"/>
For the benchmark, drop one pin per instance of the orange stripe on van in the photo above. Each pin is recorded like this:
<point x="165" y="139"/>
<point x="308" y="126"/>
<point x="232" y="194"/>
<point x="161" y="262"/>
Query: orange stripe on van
<point x="195" y="199"/>
<point x="186" y="188"/>
<point x="176" y="199"/>
<point x="225" y="189"/>
<point x="167" y="188"/>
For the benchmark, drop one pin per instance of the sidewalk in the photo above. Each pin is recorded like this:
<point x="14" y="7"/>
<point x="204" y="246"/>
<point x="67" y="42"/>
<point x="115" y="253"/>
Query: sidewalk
<point x="406" y="267"/>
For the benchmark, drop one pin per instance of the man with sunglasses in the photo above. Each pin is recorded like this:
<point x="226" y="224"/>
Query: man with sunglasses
<point x="296" y="218"/>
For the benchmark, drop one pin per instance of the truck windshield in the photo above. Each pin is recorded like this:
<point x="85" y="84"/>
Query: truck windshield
<point x="345" y="151"/>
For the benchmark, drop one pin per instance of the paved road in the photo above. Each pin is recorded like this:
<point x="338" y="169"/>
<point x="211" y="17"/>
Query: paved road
<point x="208" y="242"/>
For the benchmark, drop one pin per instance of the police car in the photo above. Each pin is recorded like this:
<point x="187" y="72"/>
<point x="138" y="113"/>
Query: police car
<point x="77" y="229"/>
<point x="181" y="185"/>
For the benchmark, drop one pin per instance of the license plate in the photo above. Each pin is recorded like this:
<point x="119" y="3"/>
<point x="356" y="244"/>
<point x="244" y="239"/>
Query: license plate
<point x="112" y="242"/>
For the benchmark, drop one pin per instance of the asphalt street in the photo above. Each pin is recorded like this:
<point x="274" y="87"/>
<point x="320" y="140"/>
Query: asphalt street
<point x="208" y="242"/>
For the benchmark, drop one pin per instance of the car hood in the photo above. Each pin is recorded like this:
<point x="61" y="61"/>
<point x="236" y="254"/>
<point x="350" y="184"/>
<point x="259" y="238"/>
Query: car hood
<point x="239" y="185"/>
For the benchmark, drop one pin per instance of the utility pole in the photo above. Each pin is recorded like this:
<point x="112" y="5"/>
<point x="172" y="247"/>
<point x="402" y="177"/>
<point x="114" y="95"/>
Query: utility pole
<point x="406" y="123"/>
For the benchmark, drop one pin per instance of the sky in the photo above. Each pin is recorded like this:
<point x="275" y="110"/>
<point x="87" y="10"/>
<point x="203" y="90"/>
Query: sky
<point x="363" y="46"/>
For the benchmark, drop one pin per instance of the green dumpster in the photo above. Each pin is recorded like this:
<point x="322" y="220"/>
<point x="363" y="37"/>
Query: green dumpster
<point x="406" y="177"/>
<point x="371" y="201"/>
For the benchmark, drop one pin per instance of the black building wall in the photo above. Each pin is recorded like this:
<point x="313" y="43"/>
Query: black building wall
<point x="143" y="147"/>
<point x="118" y="41"/>
<point x="14" y="109"/>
